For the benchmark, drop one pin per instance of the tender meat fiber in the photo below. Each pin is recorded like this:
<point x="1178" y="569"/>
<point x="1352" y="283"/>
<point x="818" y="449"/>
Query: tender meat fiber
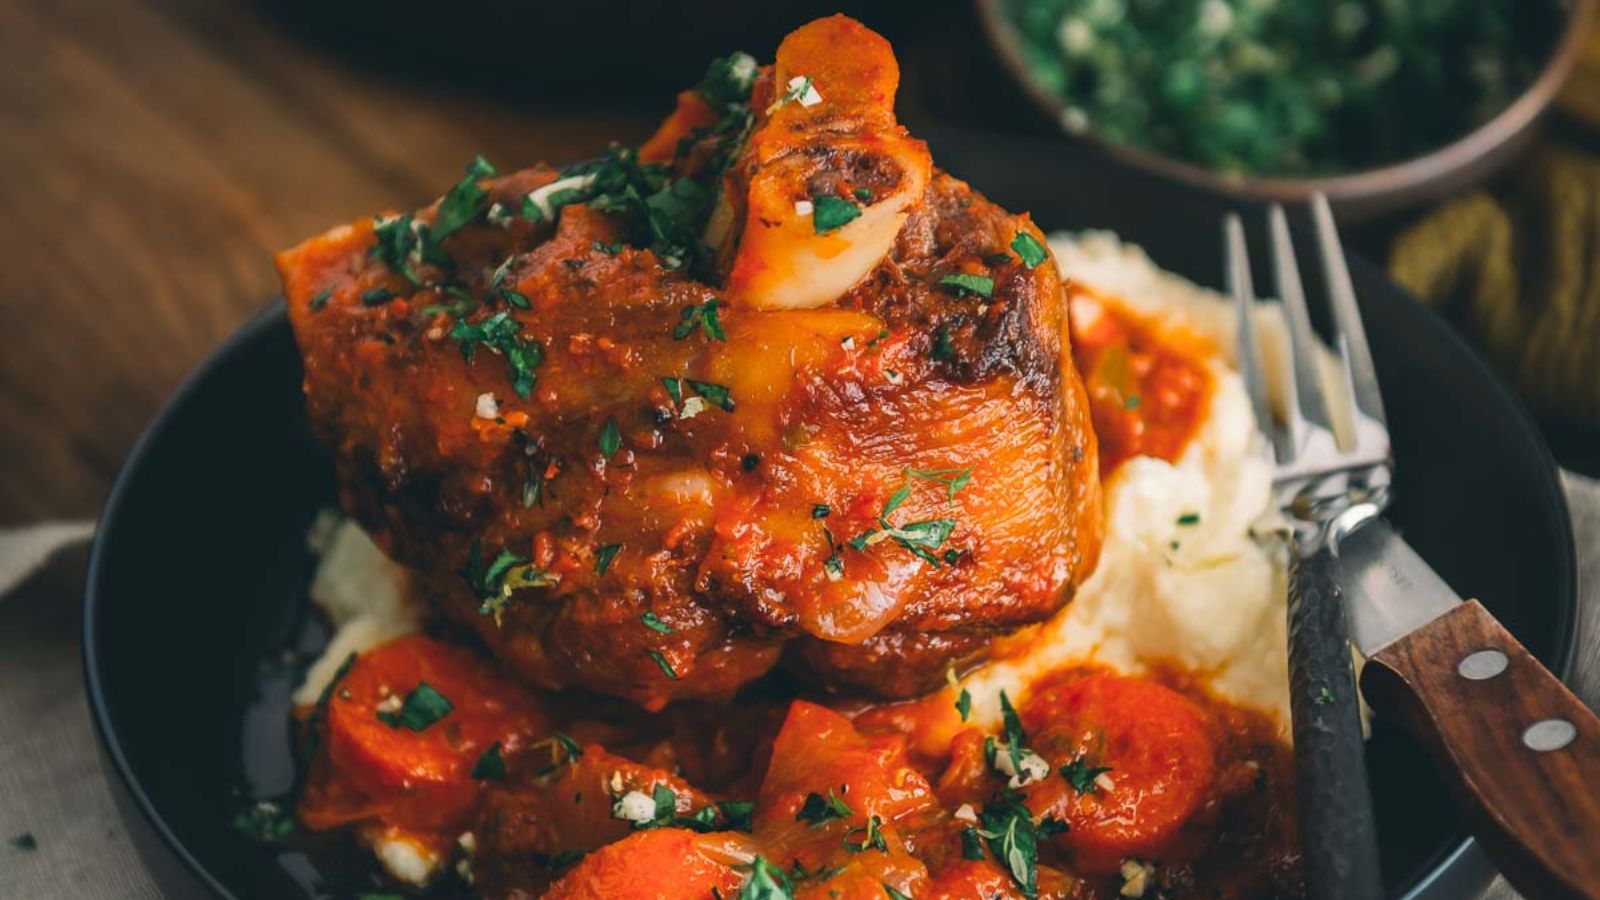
<point x="644" y="466"/>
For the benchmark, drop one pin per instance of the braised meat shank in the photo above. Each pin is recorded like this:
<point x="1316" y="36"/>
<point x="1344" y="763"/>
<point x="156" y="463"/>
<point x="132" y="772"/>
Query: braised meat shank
<point x="768" y="384"/>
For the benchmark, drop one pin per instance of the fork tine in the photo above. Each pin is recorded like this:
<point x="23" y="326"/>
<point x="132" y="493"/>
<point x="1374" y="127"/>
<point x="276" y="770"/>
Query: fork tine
<point x="1361" y="377"/>
<point x="1305" y="411"/>
<point x="1244" y="301"/>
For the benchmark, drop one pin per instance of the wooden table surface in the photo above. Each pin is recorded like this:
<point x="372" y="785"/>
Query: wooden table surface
<point x="155" y="154"/>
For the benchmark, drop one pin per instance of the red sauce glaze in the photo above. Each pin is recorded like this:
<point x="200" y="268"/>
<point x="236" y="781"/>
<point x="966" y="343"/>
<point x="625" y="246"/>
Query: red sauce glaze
<point x="1148" y="389"/>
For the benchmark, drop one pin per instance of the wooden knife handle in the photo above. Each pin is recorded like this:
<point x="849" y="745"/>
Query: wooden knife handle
<point x="1520" y="751"/>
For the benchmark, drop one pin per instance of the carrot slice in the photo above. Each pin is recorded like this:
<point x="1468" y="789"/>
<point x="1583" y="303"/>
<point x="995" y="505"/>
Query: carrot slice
<point x="1155" y="747"/>
<point x="662" y="864"/>
<point x="405" y="729"/>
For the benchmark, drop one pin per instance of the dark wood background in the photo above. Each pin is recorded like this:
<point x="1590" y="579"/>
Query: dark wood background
<point x="155" y="153"/>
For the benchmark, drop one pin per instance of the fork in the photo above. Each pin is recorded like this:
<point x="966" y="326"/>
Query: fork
<point x="1520" y="750"/>
<point x="1326" y="490"/>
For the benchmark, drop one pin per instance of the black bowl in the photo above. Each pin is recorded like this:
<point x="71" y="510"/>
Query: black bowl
<point x="197" y="581"/>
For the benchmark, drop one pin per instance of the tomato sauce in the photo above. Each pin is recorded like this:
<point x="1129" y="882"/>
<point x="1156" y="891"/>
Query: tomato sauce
<point x="1148" y="387"/>
<point x="1122" y="778"/>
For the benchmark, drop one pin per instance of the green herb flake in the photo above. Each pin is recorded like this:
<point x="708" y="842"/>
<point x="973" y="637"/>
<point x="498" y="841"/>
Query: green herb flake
<point x="943" y="348"/>
<point x="1081" y="775"/>
<point x="1029" y="249"/>
<point x="871" y="837"/>
<point x="1016" y="737"/>
<point x="765" y="882"/>
<point x="1189" y="518"/>
<point x="962" y="283"/>
<point x="502" y="335"/>
<point x="491" y="766"/>
<point x="830" y="213"/>
<point x="971" y="844"/>
<point x="422" y="708"/>
<point x="654" y="623"/>
<point x="1325" y="697"/>
<point x="1007" y="826"/>
<point x="737" y="814"/>
<point x="1131" y="403"/>
<point x="320" y="300"/>
<point x="715" y="394"/>
<point x="821" y="511"/>
<point x="863" y="194"/>
<point x="610" y="438"/>
<point x="664" y="665"/>
<point x="604" y="556"/>
<point x="892" y="893"/>
<point x="264" y="821"/>
<point x="609" y="249"/>
<point x="818" y="810"/>
<point x="964" y="704"/>
<point x="463" y="203"/>
<point x="702" y="316"/>
<point x="376" y="297"/>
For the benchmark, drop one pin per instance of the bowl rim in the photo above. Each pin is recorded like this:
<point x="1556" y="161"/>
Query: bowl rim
<point x="251" y="331"/>
<point x="1362" y="184"/>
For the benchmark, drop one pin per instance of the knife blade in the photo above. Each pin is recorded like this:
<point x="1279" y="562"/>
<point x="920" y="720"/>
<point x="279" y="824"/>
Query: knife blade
<point x="1390" y="591"/>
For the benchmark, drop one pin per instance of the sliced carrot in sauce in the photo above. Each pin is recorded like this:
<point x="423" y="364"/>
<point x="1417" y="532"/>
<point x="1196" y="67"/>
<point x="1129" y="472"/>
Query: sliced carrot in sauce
<point x="662" y="864"/>
<point x="375" y="763"/>
<point x="1157" y="749"/>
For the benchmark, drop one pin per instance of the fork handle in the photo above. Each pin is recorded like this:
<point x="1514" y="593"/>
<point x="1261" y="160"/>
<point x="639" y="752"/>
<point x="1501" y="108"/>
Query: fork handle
<point x="1484" y="719"/>
<point x="1338" y="834"/>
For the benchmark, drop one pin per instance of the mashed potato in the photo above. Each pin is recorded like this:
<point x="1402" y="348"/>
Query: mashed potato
<point x="1206" y="597"/>
<point x="1181" y="582"/>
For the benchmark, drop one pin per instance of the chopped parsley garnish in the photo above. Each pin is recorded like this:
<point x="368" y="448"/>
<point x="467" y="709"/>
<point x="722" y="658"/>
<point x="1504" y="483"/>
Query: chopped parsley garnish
<point x="1016" y="737"/>
<point x="494" y="582"/>
<point x="1007" y="826"/>
<point x="563" y="750"/>
<point x="1325" y="697"/>
<point x="765" y="882"/>
<point x="1029" y="249"/>
<point x="663" y="664"/>
<point x="736" y="814"/>
<point x="834" y="564"/>
<point x="654" y="623"/>
<point x="320" y="300"/>
<point x="1189" y="518"/>
<point x="821" y="511"/>
<point x="609" y="249"/>
<point x="798" y="87"/>
<point x="964" y="704"/>
<point x="714" y="394"/>
<point x="491" y="766"/>
<point x="376" y="297"/>
<point x="604" y="556"/>
<point x="1081" y="775"/>
<point x="871" y="837"/>
<point x="943" y="349"/>
<point x="702" y="316"/>
<point x="610" y="438"/>
<point x="817" y="809"/>
<point x="462" y="203"/>
<point x="502" y="335"/>
<point x="830" y="213"/>
<point x="1132" y="402"/>
<point x="892" y="893"/>
<point x="962" y="283"/>
<point x="924" y="537"/>
<point x="971" y="844"/>
<point x="422" y="707"/>
<point x="265" y="821"/>
<point x="863" y="194"/>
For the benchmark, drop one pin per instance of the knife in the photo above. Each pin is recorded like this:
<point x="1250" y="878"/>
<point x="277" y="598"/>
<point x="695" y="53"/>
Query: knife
<point x="1518" y="750"/>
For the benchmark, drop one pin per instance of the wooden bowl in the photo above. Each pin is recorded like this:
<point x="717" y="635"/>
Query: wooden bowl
<point x="1357" y="195"/>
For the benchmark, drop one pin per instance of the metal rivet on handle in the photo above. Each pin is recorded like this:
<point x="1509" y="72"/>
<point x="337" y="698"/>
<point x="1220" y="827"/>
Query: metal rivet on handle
<point x="1550" y="734"/>
<point x="1483" y="665"/>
